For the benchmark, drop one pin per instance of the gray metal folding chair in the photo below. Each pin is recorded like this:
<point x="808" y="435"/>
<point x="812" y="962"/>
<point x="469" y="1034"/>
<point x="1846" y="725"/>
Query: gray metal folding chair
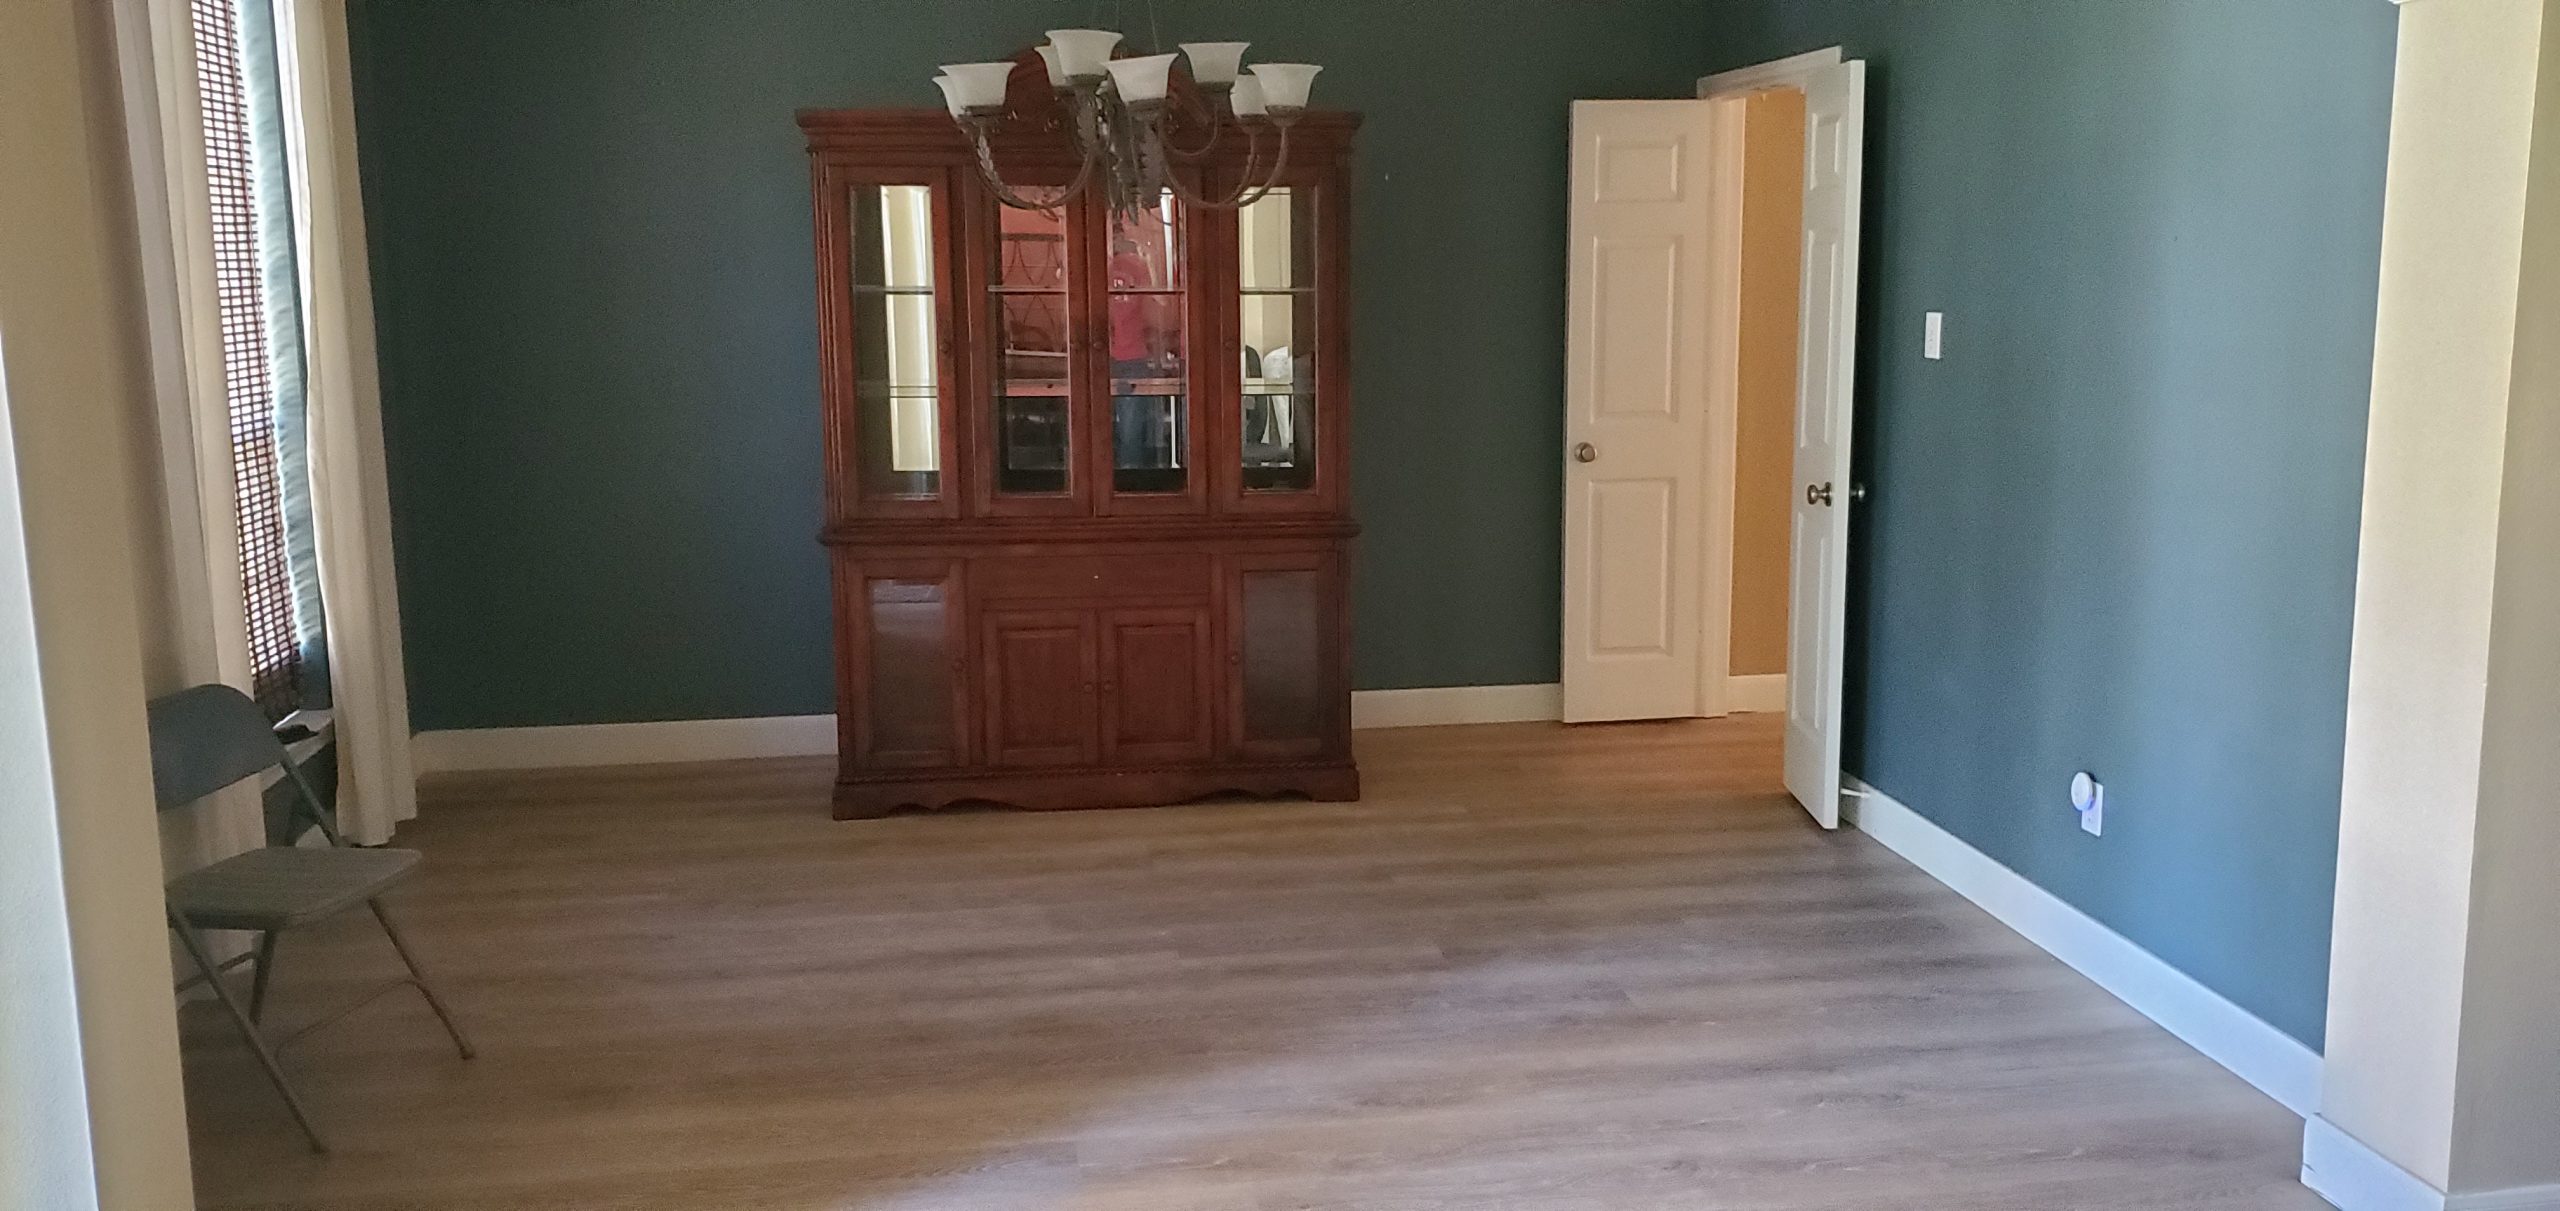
<point x="204" y="739"/>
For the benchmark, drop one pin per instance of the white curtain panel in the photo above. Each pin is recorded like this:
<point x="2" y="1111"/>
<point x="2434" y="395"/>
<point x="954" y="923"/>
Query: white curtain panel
<point x="351" y="503"/>
<point x="206" y="635"/>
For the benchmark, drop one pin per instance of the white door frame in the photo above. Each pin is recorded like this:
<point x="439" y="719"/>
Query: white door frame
<point x="1794" y="71"/>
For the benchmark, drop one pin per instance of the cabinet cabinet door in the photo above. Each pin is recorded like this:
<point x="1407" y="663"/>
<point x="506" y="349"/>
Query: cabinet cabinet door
<point x="1042" y="699"/>
<point x="886" y="308"/>
<point x="1287" y="699"/>
<point x="903" y="668"/>
<point x="1157" y="693"/>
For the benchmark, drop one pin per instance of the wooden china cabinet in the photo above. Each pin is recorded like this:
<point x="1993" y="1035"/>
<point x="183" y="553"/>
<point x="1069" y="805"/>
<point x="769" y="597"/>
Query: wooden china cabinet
<point x="1085" y="472"/>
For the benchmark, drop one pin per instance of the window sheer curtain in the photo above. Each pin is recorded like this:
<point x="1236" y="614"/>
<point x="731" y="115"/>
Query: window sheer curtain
<point x="350" y="502"/>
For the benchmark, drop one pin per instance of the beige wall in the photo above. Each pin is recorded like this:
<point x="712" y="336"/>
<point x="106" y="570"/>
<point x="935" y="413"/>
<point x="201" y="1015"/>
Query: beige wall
<point x="2445" y="964"/>
<point x="76" y="400"/>
<point x="1764" y="459"/>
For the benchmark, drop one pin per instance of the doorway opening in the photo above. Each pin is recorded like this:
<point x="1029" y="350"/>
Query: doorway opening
<point x="1710" y="359"/>
<point x="1770" y="268"/>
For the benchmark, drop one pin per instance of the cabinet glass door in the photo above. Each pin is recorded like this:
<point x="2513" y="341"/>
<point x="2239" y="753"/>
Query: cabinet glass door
<point x="898" y="446"/>
<point x="1276" y="323"/>
<point x="1146" y="332"/>
<point x="1031" y="339"/>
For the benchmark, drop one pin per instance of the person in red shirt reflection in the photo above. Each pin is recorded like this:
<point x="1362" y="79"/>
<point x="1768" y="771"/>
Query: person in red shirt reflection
<point x="1146" y="335"/>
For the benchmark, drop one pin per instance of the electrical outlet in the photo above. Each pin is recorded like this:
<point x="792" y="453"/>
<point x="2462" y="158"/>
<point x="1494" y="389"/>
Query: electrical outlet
<point x="1933" y="336"/>
<point x="2089" y="798"/>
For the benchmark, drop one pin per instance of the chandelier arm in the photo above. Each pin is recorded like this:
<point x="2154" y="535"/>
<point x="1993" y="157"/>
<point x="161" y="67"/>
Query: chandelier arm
<point x="1010" y="196"/>
<point x="1246" y="192"/>
<point x="1279" y="166"/>
<point x="1209" y="116"/>
<point x="1252" y="152"/>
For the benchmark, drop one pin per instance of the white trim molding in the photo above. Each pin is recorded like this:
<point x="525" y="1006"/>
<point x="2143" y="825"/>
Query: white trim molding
<point x="1755" y="693"/>
<point x="2280" y="1066"/>
<point x="690" y="740"/>
<point x="1443" y="705"/>
<point x="2353" y="1177"/>
<point x="654" y="743"/>
<point x="2340" y="1168"/>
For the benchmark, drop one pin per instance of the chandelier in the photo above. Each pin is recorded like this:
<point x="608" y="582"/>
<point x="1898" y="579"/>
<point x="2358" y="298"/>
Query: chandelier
<point x="1125" y="118"/>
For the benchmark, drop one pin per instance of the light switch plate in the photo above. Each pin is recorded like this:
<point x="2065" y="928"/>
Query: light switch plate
<point x="1933" y="340"/>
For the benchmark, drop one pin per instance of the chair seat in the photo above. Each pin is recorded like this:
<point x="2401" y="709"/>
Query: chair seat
<point x="280" y="886"/>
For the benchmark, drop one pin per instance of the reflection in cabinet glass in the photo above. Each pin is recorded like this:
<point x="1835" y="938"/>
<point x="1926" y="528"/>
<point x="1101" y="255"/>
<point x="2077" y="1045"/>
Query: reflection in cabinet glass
<point x="911" y="660"/>
<point x="1032" y="363"/>
<point x="1276" y="279"/>
<point x="894" y="347"/>
<point x="1150" y="389"/>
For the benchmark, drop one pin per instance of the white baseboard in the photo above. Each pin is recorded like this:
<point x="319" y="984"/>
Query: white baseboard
<point x="1755" y="693"/>
<point x="2258" y="1053"/>
<point x="2353" y="1177"/>
<point x="2522" y="1198"/>
<point x="1443" y="705"/>
<point x="2339" y="1167"/>
<point x="515" y="748"/>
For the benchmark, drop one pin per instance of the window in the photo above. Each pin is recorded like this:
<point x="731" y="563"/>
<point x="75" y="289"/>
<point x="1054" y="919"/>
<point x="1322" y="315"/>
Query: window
<point x="256" y="287"/>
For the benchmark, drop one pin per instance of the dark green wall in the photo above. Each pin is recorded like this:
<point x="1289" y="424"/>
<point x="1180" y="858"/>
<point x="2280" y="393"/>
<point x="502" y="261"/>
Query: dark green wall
<point x="593" y="285"/>
<point x="2116" y="528"/>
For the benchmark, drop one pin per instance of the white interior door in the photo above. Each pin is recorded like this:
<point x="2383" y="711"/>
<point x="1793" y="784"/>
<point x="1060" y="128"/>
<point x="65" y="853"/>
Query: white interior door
<point x="1818" y="549"/>
<point x="1636" y="409"/>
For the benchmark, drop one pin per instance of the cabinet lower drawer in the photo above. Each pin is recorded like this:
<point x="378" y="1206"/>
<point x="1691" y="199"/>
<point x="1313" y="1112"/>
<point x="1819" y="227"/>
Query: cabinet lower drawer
<point x="1091" y="577"/>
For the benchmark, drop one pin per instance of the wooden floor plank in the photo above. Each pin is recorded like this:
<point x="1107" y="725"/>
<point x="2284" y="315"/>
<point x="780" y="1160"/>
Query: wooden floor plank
<point x="1592" y="969"/>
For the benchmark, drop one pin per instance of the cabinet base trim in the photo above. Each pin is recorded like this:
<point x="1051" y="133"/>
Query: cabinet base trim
<point x="1072" y="789"/>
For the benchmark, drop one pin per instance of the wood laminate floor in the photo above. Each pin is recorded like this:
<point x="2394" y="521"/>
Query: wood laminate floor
<point x="1603" y="969"/>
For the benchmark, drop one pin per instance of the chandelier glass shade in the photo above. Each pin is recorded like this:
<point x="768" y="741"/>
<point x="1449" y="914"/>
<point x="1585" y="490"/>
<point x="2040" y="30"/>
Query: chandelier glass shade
<point x="1126" y="114"/>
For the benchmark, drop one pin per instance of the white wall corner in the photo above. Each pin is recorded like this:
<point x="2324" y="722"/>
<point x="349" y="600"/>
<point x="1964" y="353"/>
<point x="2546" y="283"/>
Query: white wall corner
<point x="2273" y="1061"/>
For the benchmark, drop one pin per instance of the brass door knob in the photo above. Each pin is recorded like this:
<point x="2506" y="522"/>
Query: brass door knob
<point x="1586" y="452"/>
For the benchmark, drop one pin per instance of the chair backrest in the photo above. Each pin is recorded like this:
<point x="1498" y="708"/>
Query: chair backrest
<point x="205" y="738"/>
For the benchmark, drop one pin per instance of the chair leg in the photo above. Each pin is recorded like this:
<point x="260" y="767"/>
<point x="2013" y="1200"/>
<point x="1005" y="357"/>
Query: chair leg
<point x="194" y="942"/>
<point x="419" y="975"/>
<point x="266" y="967"/>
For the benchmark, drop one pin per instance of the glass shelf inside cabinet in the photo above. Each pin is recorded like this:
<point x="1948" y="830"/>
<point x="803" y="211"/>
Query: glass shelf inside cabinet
<point x="1029" y="301"/>
<point x="1150" y="362"/>
<point x="1276" y="277"/>
<point x="896" y="351"/>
